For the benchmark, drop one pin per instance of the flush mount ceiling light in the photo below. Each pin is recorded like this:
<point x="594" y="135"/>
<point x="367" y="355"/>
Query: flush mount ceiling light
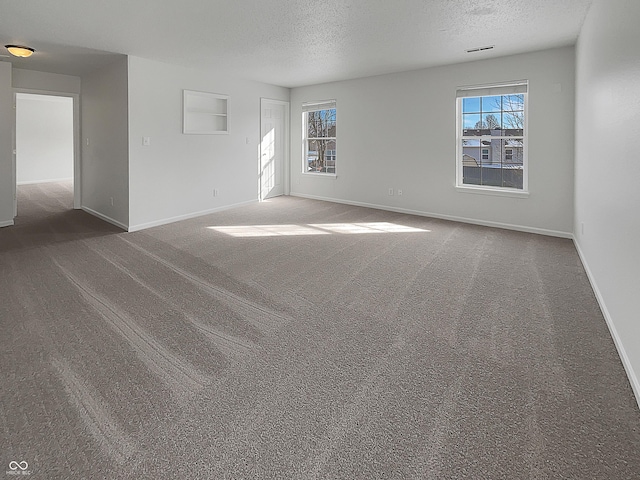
<point x="20" y="51"/>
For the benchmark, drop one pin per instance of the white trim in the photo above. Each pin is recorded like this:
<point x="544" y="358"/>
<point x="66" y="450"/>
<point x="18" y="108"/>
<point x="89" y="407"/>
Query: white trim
<point x="626" y="363"/>
<point x="165" y="221"/>
<point x="472" y="221"/>
<point x="101" y="216"/>
<point x="320" y="174"/>
<point x="316" y="106"/>
<point x="8" y="223"/>
<point x="495" y="191"/>
<point x="325" y="105"/>
<point x="503" y="88"/>
<point x="459" y="134"/>
<point x="50" y="180"/>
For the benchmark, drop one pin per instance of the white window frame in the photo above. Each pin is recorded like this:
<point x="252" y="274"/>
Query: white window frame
<point x="506" y="88"/>
<point x="314" y="107"/>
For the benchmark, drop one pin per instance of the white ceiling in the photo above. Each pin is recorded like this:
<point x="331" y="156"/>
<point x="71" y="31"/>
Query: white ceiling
<point x="284" y="42"/>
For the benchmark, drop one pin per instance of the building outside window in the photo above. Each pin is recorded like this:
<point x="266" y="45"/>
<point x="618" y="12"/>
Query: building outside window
<point x="491" y="136"/>
<point x="319" y="130"/>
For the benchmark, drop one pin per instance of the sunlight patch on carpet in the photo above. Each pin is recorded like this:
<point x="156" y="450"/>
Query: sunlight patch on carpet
<point x="315" y="229"/>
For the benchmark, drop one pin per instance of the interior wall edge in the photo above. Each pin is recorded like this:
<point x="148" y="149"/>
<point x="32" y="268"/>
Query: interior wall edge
<point x="165" y="221"/>
<point x="624" y="358"/>
<point x="106" y="218"/>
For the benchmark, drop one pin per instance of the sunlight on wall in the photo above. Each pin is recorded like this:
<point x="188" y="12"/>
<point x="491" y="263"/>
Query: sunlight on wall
<point x="315" y="229"/>
<point x="267" y="167"/>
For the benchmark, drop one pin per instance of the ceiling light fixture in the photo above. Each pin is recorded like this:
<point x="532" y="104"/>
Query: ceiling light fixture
<point x="20" y="51"/>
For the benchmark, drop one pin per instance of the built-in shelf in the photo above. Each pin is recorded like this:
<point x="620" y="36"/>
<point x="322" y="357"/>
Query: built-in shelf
<point x="205" y="113"/>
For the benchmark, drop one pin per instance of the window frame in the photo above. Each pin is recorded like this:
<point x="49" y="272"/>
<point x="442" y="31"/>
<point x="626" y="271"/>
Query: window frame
<point x="317" y="106"/>
<point x="494" y="89"/>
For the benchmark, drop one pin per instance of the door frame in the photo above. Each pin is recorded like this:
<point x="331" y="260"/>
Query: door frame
<point x="285" y="156"/>
<point x="77" y="159"/>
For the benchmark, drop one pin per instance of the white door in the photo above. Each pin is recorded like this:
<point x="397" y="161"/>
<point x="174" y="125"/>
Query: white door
<point x="273" y="124"/>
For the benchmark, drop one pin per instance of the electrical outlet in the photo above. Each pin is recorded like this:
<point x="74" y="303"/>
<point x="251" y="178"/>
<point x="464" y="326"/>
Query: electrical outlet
<point x="399" y="192"/>
<point x="390" y="191"/>
<point x="146" y="141"/>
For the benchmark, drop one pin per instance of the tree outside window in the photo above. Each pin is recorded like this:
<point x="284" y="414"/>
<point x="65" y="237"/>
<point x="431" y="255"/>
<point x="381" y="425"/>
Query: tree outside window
<point x="320" y="137"/>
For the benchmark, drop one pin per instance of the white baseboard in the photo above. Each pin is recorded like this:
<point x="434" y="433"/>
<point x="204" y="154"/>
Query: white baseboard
<point x="101" y="216"/>
<point x="51" y="180"/>
<point x="165" y="221"/>
<point x="8" y="223"/>
<point x="473" y="221"/>
<point x="633" y="378"/>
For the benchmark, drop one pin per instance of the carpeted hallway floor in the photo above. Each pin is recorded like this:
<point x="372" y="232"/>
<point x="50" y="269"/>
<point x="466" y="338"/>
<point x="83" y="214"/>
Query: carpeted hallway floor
<point x="305" y="340"/>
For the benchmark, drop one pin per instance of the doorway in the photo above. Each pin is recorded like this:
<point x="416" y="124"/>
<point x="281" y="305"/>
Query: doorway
<point x="46" y="136"/>
<point x="273" y="173"/>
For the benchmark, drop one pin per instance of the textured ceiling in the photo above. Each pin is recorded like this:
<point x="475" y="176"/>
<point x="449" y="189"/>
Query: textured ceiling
<point x="285" y="42"/>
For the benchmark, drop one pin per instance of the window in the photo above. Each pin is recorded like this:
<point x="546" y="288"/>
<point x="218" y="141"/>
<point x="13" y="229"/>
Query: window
<point x="491" y="136"/>
<point x="319" y="124"/>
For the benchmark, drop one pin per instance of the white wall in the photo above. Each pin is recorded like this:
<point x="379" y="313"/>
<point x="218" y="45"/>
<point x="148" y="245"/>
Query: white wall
<point x="6" y="156"/>
<point x="174" y="177"/>
<point x="52" y="82"/>
<point x="399" y="131"/>
<point x="44" y="138"/>
<point x="607" y="196"/>
<point x="105" y="159"/>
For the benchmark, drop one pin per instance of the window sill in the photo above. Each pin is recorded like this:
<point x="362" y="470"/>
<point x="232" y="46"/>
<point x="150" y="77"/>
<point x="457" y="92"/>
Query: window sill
<point x="497" y="192"/>
<point x="317" y="174"/>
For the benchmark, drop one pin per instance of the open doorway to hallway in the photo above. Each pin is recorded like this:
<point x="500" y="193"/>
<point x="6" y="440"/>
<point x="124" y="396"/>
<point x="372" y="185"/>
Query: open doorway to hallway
<point x="45" y="144"/>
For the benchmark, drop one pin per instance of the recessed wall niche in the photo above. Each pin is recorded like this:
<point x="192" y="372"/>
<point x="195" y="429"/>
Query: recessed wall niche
<point x="205" y="113"/>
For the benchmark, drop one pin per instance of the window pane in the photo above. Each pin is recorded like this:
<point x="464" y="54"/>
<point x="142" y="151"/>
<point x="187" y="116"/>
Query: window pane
<point x="513" y="103"/>
<point x="321" y="123"/>
<point x="470" y="153"/>
<point x="471" y="105"/>
<point x="513" y="123"/>
<point x="471" y="120"/>
<point x="513" y="153"/>
<point x="321" y="156"/>
<point x="495" y="163"/>
<point x="491" y="121"/>
<point x="493" y="175"/>
<point x="492" y="104"/>
<point x="312" y="155"/>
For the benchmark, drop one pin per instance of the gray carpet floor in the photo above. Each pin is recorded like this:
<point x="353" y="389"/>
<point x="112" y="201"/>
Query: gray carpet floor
<point x="305" y="340"/>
